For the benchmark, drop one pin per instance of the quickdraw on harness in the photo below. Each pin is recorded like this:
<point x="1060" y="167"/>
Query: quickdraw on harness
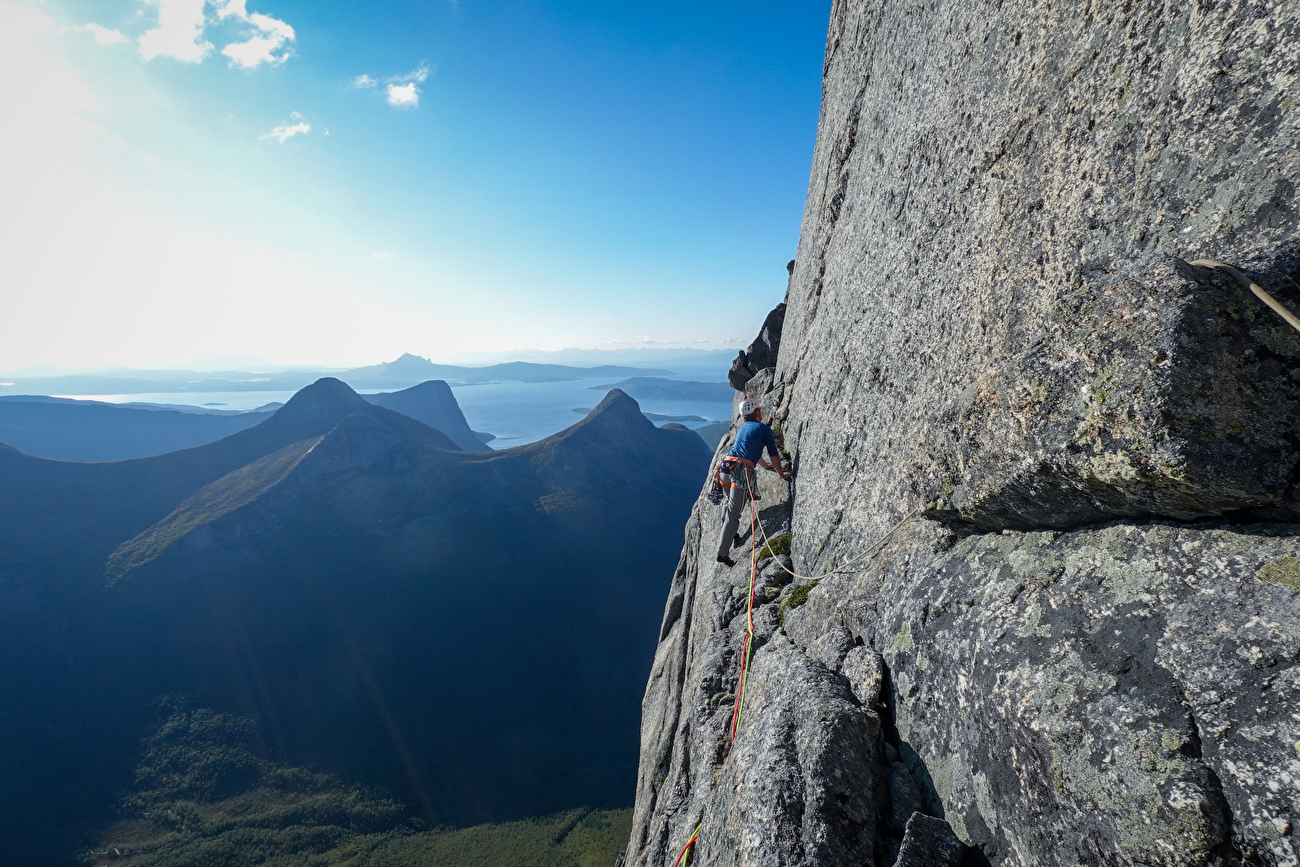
<point x="729" y="466"/>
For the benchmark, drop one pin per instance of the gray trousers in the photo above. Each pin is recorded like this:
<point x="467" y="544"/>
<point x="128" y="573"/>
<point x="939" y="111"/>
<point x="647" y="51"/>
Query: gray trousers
<point x="733" y="507"/>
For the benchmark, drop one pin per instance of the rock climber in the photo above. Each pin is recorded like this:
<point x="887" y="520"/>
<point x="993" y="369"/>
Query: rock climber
<point x="737" y="473"/>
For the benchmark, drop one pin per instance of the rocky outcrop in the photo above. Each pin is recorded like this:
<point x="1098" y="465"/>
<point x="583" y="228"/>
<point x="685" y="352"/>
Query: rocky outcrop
<point x="1084" y="638"/>
<point x="1169" y="393"/>
<point x="761" y="353"/>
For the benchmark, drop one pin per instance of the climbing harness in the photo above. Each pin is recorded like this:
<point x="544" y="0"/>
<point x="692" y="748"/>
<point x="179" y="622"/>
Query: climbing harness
<point x="729" y="466"/>
<point x="1253" y="287"/>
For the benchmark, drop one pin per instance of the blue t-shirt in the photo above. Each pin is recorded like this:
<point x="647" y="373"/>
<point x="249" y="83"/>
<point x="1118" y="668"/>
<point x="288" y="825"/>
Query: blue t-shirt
<point x="750" y="440"/>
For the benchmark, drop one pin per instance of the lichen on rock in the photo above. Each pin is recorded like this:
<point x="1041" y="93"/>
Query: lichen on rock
<point x="1086" y="649"/>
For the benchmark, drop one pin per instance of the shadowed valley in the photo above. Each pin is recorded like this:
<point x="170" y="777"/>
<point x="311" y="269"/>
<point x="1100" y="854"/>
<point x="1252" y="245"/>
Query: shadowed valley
<point x="468" y="631"/>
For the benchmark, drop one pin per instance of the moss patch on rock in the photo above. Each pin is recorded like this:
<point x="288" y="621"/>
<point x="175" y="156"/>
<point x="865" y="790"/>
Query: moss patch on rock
<point x="797" y="597"/>
<point x="1284" y="571"/>
<point x="779" y="544"/>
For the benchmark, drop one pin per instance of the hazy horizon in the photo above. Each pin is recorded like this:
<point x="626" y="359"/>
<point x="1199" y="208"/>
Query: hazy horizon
<point x="313" y="185"/>
<point x="572" y="356"/>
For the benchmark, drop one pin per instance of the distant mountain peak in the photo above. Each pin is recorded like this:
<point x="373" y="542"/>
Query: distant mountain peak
<point x="408" y="362"/>
<point x="615" y="414"/>
<point x="432" y="403"/>
<point x="320" y="405"/>
<point x="325" y="389"/>
<point x="618" y="402"/>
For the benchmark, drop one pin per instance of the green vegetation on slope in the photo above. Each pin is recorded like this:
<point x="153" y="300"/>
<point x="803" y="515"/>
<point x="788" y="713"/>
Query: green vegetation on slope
<point x="593" y="839"/>
<point x="207" y="504"/>
<point x="206" y="797"/>
<point x="797" y="597"/>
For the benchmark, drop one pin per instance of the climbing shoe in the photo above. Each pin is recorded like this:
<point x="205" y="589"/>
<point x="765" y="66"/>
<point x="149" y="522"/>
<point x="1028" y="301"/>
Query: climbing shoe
<point x="735" y="541"/>
<point x="727" y="561"/>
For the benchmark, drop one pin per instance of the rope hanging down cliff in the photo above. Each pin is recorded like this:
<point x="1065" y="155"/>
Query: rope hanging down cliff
<point x="755" y="528"/>
<point x="739" y="706"/>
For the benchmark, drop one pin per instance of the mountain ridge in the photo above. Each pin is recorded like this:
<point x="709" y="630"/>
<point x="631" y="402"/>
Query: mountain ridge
<point x="348" y="578"/>
<point x="407" y="370"/>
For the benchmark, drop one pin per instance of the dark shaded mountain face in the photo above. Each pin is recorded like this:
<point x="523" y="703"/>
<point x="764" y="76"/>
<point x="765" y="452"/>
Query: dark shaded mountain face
<point x="433" y="404"/>
<point x="460" y="628"/>
<point x="93" y="431"/>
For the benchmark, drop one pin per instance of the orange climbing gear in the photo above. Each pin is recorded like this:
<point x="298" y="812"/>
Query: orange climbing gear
<point x="727" y="466"/>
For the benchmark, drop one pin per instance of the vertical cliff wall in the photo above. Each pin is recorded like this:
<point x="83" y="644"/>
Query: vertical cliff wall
<point x="1084" y="648"/>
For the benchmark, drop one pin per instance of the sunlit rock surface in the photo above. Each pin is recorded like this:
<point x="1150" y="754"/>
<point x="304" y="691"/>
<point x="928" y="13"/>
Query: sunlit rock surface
<point x="1086" y="639"/>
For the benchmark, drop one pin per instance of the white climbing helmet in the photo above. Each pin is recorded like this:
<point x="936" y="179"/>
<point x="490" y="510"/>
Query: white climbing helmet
<point x="747" y="406"/>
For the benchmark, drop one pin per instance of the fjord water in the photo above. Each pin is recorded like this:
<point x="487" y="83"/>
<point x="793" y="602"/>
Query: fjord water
<point x="521" y="412"/>
<point x="517" y="413"/>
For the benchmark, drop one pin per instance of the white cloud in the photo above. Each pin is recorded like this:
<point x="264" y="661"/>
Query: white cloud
<point x="287" y="130"/>
<point x="418" y="75"/>
<point x="404" y="95"/>
<point x="179" y="33"/>
<point x="253" y="52"/>
<point x="382" y="255"/>
<point x="274" y="26"/>
<point x="103" y="35"/>
<point x="259" y="49"/>
<point x="400" y="91"/>
<point x="235" y="8"/>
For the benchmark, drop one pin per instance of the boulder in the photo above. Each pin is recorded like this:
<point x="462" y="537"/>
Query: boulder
<point x="929" y="842"/>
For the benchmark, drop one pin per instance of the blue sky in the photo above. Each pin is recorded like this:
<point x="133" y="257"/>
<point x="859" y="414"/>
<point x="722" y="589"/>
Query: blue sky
<point x="340" y="183"/>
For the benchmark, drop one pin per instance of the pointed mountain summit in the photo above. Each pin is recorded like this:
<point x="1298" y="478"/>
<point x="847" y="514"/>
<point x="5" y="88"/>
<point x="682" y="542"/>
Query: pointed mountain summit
<point x="433" y="404"/>
<point x="318" y="407"/>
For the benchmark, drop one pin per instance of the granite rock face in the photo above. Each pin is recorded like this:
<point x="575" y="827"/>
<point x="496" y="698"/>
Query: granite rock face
<point x="929" y="842"/>
<point x="1081" y="645"/>
<point x="1168" y="393"/>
